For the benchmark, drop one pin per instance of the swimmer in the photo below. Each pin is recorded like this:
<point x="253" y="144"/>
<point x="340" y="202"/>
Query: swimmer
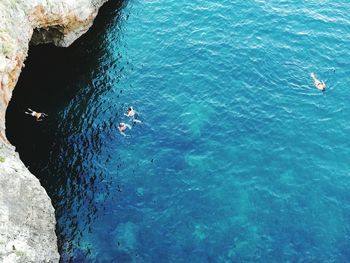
<point x="132" y="114"/>
<point x="318" y="84"/>
<point x="38" y="115"/>
<point x="122" y="127"/>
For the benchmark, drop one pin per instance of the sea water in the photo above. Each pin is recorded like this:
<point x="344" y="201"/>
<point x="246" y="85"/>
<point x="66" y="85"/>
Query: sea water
<point x="238" y="158"/>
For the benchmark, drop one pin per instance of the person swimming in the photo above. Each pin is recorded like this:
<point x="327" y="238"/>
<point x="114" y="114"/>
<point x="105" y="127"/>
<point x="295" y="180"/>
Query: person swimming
<point x="122" y="127"/>
<point x="131" y="113"/>
<point x="318" y="84"/>
<point x="38" y="115"/>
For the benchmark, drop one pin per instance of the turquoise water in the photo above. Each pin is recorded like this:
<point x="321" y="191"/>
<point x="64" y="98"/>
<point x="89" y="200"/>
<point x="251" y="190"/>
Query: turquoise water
<point x="238" y="157"/>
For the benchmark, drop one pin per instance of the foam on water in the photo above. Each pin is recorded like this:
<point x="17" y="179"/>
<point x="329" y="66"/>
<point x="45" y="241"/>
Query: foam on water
<point x="238" y="157"/>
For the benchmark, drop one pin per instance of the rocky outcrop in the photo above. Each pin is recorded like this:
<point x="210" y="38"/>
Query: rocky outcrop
<point x="27" y="222"/>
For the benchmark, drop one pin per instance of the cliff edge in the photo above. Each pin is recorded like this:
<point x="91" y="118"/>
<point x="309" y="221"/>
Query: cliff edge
<point x="27" y="219"/>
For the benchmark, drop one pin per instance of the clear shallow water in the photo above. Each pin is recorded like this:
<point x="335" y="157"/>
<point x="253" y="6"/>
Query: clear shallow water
<point x="238" y="159"/>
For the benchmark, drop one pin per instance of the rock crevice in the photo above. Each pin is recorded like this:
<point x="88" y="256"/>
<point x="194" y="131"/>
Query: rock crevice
<point x="27" y="221"/>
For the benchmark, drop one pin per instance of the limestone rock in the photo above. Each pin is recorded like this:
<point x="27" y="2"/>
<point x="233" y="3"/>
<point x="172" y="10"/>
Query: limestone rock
<point x="27" y="221"/>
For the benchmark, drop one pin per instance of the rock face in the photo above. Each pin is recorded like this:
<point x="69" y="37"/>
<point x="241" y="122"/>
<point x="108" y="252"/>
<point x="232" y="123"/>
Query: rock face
<point x="27" y="221"/>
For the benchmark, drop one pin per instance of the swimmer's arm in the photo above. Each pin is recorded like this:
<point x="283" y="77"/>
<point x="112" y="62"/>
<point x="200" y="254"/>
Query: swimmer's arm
<point x="127" y="125"/>
<point x="122" y="133"/>
<point x="314" y="78"/>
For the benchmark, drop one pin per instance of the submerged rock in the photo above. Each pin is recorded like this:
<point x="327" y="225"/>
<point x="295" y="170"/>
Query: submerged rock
<point x="126" y="237"/>
<point x="27" y="222"/>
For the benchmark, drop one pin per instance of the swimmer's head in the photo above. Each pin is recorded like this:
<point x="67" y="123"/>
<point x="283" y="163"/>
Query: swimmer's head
<point x="322" y="87"/>
<point x="130" y="108"/>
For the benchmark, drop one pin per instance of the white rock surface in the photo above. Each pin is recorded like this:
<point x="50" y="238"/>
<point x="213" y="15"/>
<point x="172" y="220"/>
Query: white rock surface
<point x="27" y="221"/>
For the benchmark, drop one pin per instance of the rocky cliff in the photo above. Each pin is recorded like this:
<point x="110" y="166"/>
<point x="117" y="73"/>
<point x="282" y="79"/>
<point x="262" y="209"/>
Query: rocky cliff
<point x="27" y="221"/>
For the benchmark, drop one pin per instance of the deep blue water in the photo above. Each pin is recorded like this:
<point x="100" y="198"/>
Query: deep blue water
<point x="238" y="158"/>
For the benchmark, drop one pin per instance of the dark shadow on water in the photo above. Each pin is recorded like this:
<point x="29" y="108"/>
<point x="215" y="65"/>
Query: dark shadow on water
<point x="48" y="84"/>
